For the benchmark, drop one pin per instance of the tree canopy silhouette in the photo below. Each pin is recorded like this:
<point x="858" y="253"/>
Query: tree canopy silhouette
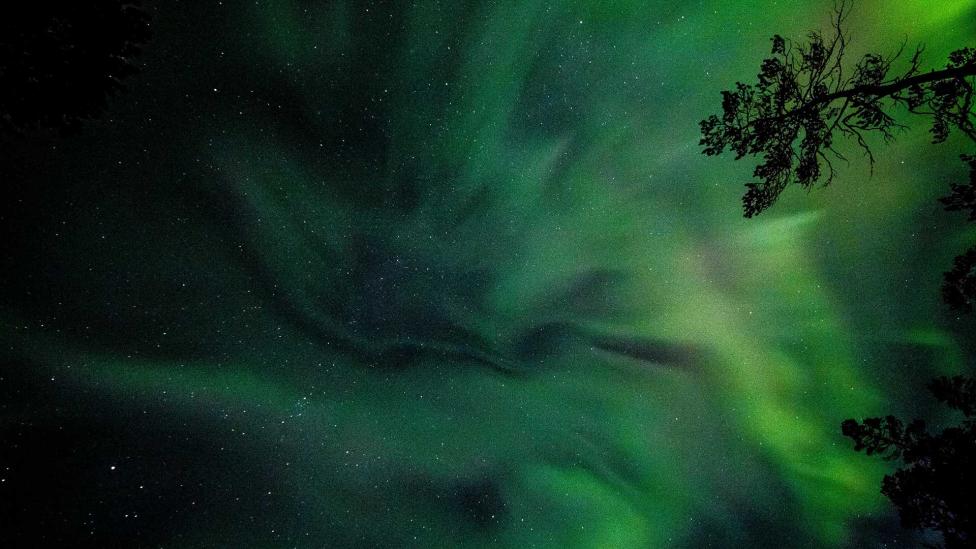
<point x="61" y="60"/>
<point x="808" y="98"/>
<point x="937" y="487"/>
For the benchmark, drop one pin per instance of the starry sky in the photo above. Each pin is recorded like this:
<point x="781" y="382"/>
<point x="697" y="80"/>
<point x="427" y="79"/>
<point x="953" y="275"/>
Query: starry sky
<point x="429" y="274"/>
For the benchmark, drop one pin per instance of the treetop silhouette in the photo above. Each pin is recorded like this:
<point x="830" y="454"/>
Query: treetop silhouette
<point x="936" y="487"/>
<point x="807" y="99"/>
<point x="806" y="96"/>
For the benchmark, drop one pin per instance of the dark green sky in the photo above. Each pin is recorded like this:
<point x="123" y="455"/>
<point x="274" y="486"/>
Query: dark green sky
<point x="431" y="273"/>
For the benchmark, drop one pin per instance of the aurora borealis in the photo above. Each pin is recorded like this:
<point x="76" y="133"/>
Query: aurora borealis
<point x="429" y="274"/>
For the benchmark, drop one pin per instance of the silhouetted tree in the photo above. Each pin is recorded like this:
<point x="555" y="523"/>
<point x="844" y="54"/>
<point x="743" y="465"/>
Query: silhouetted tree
<point x="959" y="288"/>
<point x="61" y="60"/>
<point x="807" y="96"/>
<point x="936" y="488"/>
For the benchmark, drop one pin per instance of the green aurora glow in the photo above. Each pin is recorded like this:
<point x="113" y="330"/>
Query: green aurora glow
<point x="449" y="273"/>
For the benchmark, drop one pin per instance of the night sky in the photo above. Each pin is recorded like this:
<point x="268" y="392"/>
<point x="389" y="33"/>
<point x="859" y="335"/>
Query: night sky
<point x="440" y="273"/>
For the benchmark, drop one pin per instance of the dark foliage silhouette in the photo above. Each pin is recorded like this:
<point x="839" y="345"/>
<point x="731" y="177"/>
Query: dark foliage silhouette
<point x="935" y="489"/>
<point x="959" y="289"/>
<point x="60" y="61"/>
<point x="808" y="98"/>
